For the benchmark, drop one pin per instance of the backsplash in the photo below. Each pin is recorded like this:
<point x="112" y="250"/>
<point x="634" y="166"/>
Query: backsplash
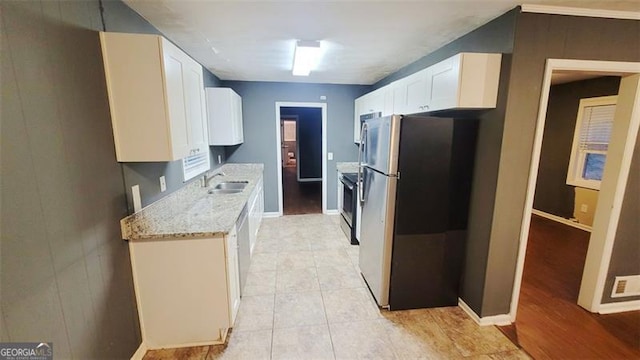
<point x="147" y="177"/>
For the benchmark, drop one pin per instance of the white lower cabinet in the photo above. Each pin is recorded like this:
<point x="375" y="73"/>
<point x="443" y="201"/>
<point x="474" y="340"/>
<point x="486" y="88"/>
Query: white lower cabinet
<point x="256" y="210"/>
<point x="233" y="275"/>
<point x="187" y="290"/>
<point x="340" y="193"/>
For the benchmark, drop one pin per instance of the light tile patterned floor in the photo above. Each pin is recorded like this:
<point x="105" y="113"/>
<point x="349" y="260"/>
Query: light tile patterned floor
<point x="305" y="299"/>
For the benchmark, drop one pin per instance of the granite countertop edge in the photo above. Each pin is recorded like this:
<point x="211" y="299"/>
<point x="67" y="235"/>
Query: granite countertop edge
<point x="347" y="167"/>
<point x="192" y="213"/>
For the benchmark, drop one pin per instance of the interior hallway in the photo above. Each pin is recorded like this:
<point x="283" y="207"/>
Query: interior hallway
<point x="549" y="323"/>
<point x="300" y="197"/>
<point x="305" y="299"/>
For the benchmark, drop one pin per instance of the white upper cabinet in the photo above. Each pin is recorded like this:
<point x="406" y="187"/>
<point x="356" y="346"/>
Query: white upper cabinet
<point x="196" y="108"/>
<point x="373" y="102"/>
<point x="464" y="81"/>
<point x="156" y="98"/>
<point x="225" y="116"/>
<point x="388" y="101"/>
<point x="399" y="91"/>
<point x="418" y="91"/>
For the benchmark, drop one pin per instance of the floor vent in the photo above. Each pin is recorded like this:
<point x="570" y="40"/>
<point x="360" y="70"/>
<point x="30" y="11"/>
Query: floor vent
<point x="626" y="286"/>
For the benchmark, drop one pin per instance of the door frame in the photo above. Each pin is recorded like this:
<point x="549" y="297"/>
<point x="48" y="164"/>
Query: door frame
<point x="293" y="118"/>
<point x="599" y="255"/>
<point x="323" y="107"/>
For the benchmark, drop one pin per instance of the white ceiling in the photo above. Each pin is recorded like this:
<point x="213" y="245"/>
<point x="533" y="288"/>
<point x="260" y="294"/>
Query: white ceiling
<point x="363" y="41"/>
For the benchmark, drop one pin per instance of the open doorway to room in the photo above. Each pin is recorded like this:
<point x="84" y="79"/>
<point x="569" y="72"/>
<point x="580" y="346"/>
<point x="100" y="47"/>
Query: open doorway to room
<point x="301" y="164"/>
<point x="559" y="255"/>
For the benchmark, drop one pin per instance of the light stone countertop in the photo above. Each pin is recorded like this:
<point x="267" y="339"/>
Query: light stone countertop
<point x="347" y="167"/>
<point x="193" y="213"/>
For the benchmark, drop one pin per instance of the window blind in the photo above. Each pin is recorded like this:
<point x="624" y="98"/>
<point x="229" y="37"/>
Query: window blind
<point x="597" y="122"/>
<point x="195" y="165"/>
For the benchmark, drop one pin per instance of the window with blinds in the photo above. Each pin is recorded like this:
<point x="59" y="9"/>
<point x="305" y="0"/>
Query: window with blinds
<point x="591" y="141"/>
<point x="195" y="165"/>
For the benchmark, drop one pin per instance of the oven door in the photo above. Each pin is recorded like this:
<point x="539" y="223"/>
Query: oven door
<point x="348" y="196"/>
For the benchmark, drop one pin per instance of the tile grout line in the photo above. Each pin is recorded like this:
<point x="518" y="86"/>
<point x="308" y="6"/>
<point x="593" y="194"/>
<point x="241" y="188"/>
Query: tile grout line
<point x="326" y="316"/>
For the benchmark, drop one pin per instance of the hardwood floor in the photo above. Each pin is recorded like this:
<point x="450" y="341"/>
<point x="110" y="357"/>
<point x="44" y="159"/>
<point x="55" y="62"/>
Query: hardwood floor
<point x="300" y="197"/>
<point x="550" y="324"/>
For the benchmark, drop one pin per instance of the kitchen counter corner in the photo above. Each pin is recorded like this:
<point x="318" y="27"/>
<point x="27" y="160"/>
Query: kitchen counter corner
<point x="192" y="212"/>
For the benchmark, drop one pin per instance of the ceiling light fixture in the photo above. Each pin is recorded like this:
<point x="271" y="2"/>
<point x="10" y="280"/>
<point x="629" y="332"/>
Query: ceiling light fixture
<point x="306" y="57"/>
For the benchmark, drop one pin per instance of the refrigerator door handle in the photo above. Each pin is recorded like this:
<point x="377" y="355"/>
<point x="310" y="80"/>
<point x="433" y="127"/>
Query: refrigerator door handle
<point x="363" y="132"/>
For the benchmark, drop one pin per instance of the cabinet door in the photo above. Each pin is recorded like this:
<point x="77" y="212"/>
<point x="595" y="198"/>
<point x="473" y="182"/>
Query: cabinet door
<point x="418" y="90"/>
<point x="340" y="192"/>
<point x="254" y="215"/>
<point x="388" y="100"/>
<point x="233" y="275"/>
<point x="444" y="78"/>
<point x="237" y="120"/>
<point x="195" y="108"/>
<point x="375" y="101"/>
<point x="399" y="89"/>
<point x="357" y="111"/>
<point x="173" y="61"/>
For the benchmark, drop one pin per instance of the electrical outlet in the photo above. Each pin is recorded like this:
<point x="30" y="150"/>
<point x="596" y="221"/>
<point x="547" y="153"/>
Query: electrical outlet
<point x="330" y="156"/>
<point x="219" y="159"/>
<point x="584" y="208"/>
<point x="163" y="184"/>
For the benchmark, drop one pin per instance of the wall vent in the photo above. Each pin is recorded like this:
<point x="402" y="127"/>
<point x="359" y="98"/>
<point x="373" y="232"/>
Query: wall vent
<point x="626" y="286"/>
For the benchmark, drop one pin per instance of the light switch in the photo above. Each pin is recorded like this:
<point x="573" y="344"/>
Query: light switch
<point x="163" y="184"/>
<point x="135" y="194"/>
<point x="219" y="159"/>
<point x="330" y="156"/>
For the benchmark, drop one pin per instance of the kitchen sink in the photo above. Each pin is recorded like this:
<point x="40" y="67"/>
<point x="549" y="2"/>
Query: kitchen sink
<point x="229" y="187"/>
<point x="224" y="191"/>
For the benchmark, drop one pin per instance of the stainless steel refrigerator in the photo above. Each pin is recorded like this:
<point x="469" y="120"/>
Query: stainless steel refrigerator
<point x="416" y="179"/>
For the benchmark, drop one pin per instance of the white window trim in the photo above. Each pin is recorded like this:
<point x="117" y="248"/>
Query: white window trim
<point x="193" y="171"/>
<point x="576" y="162"/>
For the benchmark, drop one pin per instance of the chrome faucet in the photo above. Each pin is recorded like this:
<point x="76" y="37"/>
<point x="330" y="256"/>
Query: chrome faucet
<point x="207" y="179"/>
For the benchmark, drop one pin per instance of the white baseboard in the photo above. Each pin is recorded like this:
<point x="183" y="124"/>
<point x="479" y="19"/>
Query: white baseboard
<point x="140" y="353"/>
<point x="499" y="320"/>
<point x="561" y="220"/>
<point x="332" y="212"/>
<point x="618" y="307"/>
<point x="271" y="214"/>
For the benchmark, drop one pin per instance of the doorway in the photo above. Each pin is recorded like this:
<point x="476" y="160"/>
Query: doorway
<point x="578" y="125"/>
<point x="594" y="273"/>
<point x="301" y="140"/>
